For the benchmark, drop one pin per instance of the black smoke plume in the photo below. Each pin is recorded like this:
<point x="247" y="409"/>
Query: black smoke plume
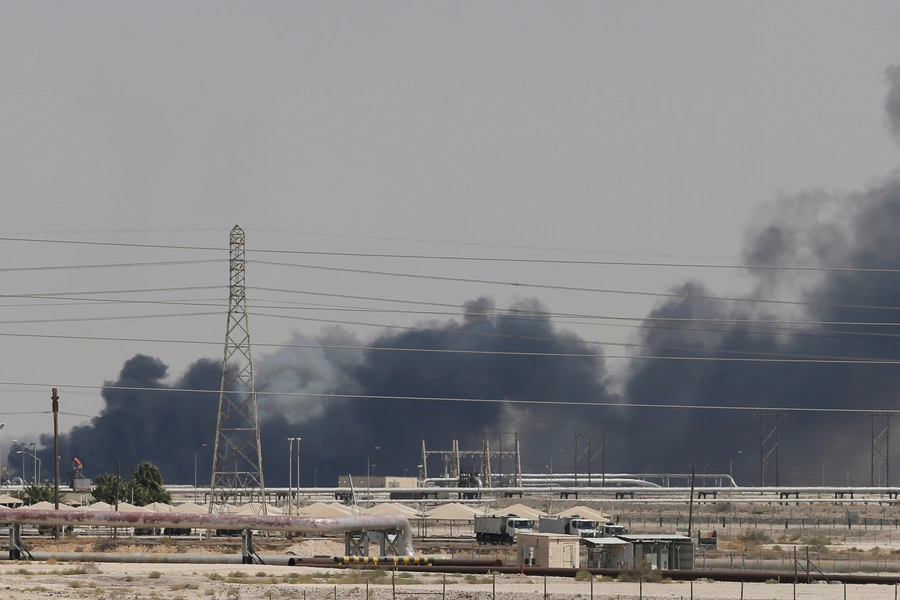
<point x="340" y="434"/>
<point x="822" y="320"/>
<point x="892" y="103"/>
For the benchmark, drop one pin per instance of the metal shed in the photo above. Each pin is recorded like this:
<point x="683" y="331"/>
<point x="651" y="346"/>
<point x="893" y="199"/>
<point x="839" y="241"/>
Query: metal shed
<point x="609" y="553"/>
<point x="663" y="551"/>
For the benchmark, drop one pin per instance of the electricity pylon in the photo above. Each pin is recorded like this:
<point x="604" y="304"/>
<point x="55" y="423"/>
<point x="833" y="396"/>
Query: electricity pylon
<point x="237" y="456"/>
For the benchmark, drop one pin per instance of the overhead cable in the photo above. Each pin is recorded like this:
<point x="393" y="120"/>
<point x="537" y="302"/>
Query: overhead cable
<point x="525" y="402"/>
<point x="568" y="288"/>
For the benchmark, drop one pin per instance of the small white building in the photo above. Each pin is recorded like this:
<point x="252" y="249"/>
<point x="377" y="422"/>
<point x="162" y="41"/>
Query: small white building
<point x="548" y="550"/>
<point x="361" y="482"/>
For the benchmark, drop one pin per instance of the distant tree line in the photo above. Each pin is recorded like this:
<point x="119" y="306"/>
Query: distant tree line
<point x="144" y="486"/>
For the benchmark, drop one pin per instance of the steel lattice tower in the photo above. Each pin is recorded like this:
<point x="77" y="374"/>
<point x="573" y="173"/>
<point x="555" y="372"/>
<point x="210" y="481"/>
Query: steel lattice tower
<point x="237" y="455"/>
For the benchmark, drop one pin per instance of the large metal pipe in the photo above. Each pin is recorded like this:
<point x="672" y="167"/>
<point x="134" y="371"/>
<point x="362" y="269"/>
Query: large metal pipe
<point x="642" y="488"/>
<point x="150" y="520"/>
<point x="680" y="575"/>
<point x="165" y="557"/>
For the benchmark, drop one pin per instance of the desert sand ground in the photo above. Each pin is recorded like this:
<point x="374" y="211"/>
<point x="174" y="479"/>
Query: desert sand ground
<point x="870" y="542"/>
<point x="117" y="581"/>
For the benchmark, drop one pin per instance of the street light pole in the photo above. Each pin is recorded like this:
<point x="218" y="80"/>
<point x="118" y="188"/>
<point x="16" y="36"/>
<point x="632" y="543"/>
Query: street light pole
<point x="298" y="465"/>
<point x="2" y="425"/>
<point x="34" y="473"/>
<point x="37" y="465"/>
<point x="369" y="475"/>
<point x="202" y="446"/>
<point x="290" y="470"/>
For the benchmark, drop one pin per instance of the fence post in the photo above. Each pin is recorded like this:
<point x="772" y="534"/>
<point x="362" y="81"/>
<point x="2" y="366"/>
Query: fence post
<point x="393" y="585"/>
<point x="444" y="591"/>
<point x="494" y="584"/>
<point x="545" y="587"/>
<point x="335" y="592"/>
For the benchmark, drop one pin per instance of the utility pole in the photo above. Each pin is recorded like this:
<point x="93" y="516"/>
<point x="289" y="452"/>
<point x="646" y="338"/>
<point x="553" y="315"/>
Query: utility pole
<point x="603" y="461"/>
<point x="882" y="449"/>
<point x="765" y="439"/>
<point x="237" y="454"/>
<point x="576" y="462"/>
<point x="54" y="405"/>
<point x="590" y="455"/>
<point x="500" y="458"/>
<point x="118" y="479"/>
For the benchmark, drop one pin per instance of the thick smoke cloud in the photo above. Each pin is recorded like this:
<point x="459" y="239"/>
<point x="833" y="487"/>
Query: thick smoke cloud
<point x="146" y="423"/>
<point x="338" y="434"/>
<point x="892" y="103"/>
<point x="856" y="231"/>
<point x="346" y="431"/>
<point x="867" y="240"/>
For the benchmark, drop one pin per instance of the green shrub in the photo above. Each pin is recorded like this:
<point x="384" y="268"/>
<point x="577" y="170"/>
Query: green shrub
<point x="817" y="541"/>
<point x="641" y="572"/>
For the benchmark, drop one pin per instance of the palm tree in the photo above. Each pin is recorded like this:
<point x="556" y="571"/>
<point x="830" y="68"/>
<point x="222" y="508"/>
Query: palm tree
<point x="38" y="493"/>
<point x="105" y="487"/>
<point x="146" y="485"/>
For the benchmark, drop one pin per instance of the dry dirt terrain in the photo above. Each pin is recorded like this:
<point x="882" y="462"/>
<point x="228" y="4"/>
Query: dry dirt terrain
<point x="754" y="534"/>
<point x="25" y="580"/>
<point x="118" y="581"/>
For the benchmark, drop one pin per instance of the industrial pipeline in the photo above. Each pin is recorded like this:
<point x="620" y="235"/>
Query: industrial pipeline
<point x="679" y="575"/>
<point x="247" y="523"/>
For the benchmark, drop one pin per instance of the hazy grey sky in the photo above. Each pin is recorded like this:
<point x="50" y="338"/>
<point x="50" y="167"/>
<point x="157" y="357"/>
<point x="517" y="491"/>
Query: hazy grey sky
<point x="637" y="130"/>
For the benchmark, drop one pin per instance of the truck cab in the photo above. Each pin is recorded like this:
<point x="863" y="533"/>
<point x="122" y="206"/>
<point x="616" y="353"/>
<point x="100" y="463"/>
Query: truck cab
<point x="611" y="530"/>
<point x="583" y="527"/>
<point x="517" y="525"/>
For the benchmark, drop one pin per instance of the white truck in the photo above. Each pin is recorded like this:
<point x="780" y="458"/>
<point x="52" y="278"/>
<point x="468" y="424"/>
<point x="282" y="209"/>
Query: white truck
<point x="570" y="526"/>
<point x="501" y="530"/>
<point x="612" y="530"/>
<point x="575" y="525"/>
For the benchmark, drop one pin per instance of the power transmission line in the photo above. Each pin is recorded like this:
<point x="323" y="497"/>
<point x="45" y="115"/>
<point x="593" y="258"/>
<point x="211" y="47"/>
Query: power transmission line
<point x="585" y="404"/>
<point x="569" y="288"/>
<point x="813" y="358"/>
<point x="397" y="256"/>
<point x="158" y="263"/>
